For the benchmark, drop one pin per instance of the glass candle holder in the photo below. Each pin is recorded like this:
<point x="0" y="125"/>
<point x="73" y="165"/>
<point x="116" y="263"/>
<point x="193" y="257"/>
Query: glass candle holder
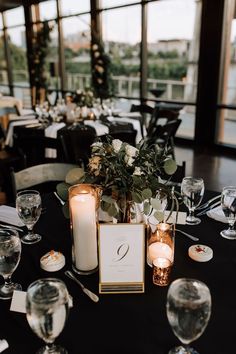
<point x="83" y="204"/>
<point x="162" y="271"/>
<point x="160" y="240"/>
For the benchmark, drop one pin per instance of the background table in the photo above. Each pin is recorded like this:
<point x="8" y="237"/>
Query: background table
<point x="127" y="323"/>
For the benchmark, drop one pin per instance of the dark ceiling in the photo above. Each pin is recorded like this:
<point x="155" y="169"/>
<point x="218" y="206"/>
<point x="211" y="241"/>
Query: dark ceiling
<point x="10" y="4"/>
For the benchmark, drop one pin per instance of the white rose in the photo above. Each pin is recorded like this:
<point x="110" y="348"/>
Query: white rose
<point x="131" y="150"/>
<point x="129" y="160"/>
<point x="116" y="144"/>
<point x="137" y="171"/>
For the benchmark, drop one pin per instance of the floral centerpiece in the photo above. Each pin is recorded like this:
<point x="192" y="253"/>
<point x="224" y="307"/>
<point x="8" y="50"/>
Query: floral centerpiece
<point x="128" y="175"/>
<point x="84" y="97"/>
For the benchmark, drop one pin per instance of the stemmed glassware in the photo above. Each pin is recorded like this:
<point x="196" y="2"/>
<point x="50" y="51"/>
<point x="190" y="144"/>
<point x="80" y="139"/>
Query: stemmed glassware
<point x="188" y="312"/>
<point x="192" y="190"/>
<point x="47" y="308"/>
<point x="228" y="204"/>
<point x="10" y="251"/>
<point x="29" y="206"/>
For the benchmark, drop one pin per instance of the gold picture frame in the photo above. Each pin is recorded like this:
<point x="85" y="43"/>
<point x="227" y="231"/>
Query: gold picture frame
<point x="121" y="258"/>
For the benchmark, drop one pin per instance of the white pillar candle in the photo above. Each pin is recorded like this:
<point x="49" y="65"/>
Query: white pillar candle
<point x="160" y="249"/>
<point x="83" y="213"/>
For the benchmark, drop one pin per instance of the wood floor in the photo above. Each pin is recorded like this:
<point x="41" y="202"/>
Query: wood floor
<point x="217" y="170"/>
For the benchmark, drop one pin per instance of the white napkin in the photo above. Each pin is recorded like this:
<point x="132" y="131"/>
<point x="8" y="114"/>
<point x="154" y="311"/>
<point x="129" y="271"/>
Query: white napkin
<point x="9" y="215"/>
<point x="101" y="129"/>
<point x="51" y="132"/>
<point x="3" y="345"/>
<point x="10" y="130"/>
<point x="217" y="214"/>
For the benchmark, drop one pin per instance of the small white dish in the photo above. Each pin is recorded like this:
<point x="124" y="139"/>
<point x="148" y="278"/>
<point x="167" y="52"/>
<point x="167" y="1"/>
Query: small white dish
<point x="52" y="261"/>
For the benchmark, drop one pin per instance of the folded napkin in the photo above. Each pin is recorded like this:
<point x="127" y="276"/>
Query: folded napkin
<point x="9" y="215"/>
<point x="217" y="214"/>
<point x="3" y="345"/>
<point x="51" y="132"/>
<point x="101" y="129"/>
<point x="10" y="130"/>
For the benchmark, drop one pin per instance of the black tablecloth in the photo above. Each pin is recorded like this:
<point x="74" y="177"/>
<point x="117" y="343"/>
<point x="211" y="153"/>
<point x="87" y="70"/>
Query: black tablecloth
<point x="126" y="323"/>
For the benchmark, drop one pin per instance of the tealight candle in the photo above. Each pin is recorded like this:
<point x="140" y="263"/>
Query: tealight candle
<point x="161" y="271"/>
<point x="160" y="249"/>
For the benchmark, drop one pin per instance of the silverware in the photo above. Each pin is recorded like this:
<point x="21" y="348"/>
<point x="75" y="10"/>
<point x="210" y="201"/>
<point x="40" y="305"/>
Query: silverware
<point x="203" y="212"/>
<point x="11" y="227"/>
<point x="90" y="294"/>
<point x="206" y="204"/>
<point x="59" y="198"/>
<point x="188" y="235"/>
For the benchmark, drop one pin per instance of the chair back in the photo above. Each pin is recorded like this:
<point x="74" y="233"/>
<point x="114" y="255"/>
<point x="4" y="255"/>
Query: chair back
<point x="163" y="135"/>
<point x="76" y="143"/>
<point x="146" y="112"/>
<point x="33" y="147"/>
<point x="39" y="175"/>
<point x="161" y="116"/>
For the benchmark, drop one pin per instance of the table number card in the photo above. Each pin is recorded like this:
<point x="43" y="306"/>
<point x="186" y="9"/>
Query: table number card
<point x="121" y="258"/>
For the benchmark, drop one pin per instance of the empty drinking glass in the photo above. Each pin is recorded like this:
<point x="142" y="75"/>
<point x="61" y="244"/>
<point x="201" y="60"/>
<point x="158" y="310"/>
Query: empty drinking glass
<point x="188" y="312"/>
<point x="192" y="190"/>
<point x="228" y="204"/>
<point x="47" y="308"/>
<point x="29" y="206"/>
<point x="10" y="251"/>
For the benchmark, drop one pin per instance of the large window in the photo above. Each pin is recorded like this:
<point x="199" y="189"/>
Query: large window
<point x="227" y="96"/>
<point x="173" y="47"/>
<point x="77" y="37"/>
<point x="16" y="52"/>
<point x="122" y="37"/>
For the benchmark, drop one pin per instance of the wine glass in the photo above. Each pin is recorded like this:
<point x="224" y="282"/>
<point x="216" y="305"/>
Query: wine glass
<point x="188" y="311"/>
<point x="29" y="206"/>
<point x="192" y="190"/>
<point x="228" y="204"/>
<point x="10" y="251"/>
<point x="47" y="308"/>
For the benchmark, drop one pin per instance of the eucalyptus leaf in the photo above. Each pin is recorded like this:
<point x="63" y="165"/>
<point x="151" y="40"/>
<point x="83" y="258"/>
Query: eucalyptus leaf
<point x="170" y="166"/>
<point x="108" y="199"/>
<point x="159" y="215"/>
<point x="156" y="204"/>
<point x="137" y="198"/>
<point x="112" y="210"/>
<point x="105" y="206"/>
<point x="146" y="208"/>
<point x="74" y="175"/>
<point x="146" y="193"/>
<point x="62" y="190"/>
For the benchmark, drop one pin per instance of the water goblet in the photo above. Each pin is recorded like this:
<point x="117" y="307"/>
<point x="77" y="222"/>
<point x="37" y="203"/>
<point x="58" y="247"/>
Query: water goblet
<point x="29" y="206"/>
<point x="47" y="308"/>
<point x="228" y="204"/>
<point x="188" y="312"/>
<point x="10" y="251"/>
<point x="192" y="190"/>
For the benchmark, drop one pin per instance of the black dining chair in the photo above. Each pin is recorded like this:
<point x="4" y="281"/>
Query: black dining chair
<point x="164" y="135"/>
<point x="161" y="116"/>
<point x="76" y="142"/>
<point x="33" y="148"/>
<point x="146" y="113"/>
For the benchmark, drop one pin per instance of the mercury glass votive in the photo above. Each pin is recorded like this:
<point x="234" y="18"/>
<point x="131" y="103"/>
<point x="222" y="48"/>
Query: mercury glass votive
<point x="162" y="271"/>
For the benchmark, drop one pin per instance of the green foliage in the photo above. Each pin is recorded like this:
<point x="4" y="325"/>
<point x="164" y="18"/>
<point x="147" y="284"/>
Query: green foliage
<point x="128" y="175"/>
